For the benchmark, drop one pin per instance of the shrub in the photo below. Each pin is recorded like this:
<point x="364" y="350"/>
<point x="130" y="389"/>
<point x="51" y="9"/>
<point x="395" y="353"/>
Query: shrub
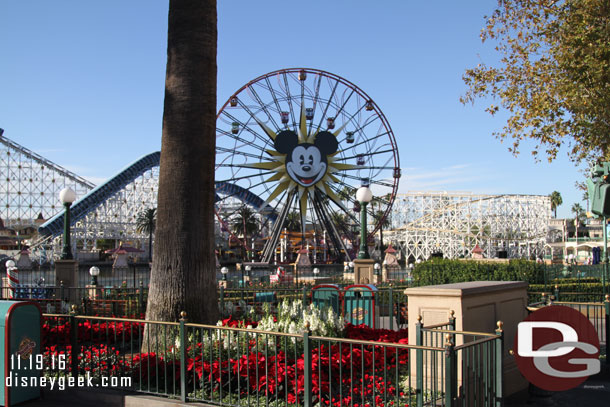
<point x="445" y="271"/>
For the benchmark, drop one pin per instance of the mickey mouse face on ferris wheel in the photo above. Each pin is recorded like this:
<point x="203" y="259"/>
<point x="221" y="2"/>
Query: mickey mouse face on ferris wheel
<point x="306" y="163"/>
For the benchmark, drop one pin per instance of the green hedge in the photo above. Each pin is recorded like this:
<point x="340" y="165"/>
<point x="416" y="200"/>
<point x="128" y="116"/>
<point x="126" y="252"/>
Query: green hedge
<point x="570" y="287"/>
<point x="445" y="271"/>
<point x="569" y="291"/>
<point x="572" y="280"/>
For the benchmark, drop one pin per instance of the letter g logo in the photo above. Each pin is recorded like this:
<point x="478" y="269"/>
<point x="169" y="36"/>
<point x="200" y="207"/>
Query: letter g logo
<point x="557" y="348"/>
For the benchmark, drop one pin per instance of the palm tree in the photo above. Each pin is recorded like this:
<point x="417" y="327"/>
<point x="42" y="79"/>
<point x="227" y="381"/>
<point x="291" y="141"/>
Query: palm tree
<point x="556" y="201"/>
<point x="346" y="194"/>
<point x="245" y="223"/>
<point x="383" y="222"/>
<point x="293" y="221"/>
<point x="579" y="216"/>
<point x="340" y="220"/>
<point x="578" y="212"/>
<point x="183" y="275"/>
<point x="145" y="223"/>
<point x="585" y="197"/>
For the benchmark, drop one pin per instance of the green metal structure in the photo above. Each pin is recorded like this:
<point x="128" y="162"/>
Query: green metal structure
<point x="20" y="351"/>
<point x="359" y="305"/>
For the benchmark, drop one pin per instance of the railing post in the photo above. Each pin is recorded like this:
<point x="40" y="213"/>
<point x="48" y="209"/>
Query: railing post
<point x="450" y="372"/>
<point x="607" y="306"/>
<point x="544" y="275"/>
<point x="74" y="350"/>
<point x="307" y="370"/>
<point x="391" y="309"/>
<point x="182" y="357"/>
<point x="452" y="320"/>
<point x="419" y="364"/>
<point x="556" y="292"/>
<point x="452" y="325"/>
<point x="61" y="291"/>
<point x="141" y="298"/>
<point x="304" y="295"/>
<point x="499" y="364"/>
<point x="222" y="301"/>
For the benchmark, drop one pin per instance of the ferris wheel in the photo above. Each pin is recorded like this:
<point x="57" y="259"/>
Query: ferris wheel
<point x="298" y="143"/>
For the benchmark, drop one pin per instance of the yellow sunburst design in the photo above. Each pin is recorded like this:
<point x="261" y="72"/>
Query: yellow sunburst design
<point x="277" y="163"/>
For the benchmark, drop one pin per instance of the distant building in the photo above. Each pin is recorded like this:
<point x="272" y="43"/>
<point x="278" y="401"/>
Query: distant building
<point x="566" y="238"/>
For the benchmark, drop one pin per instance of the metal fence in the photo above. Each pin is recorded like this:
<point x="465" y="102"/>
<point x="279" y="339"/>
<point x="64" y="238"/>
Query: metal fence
<point x="473" y="361"/>
<point x="120" y="302"/>
<point x="598" y="314"/>
<point x="388" y="305"/>
<point x="235" y="366"/>
<point x="131" y="276"/>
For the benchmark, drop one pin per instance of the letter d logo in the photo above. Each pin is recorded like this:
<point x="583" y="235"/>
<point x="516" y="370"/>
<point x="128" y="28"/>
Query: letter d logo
<point x="525" y="332"/>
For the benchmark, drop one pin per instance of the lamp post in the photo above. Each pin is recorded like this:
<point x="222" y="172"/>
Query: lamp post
<point x="364" y="196"/>
<point x="248" y="268"/>
<point x="605" y="275"/>
<point x="67" y="196"/>
<point x="224" y="271"/>
<point x="377" y="278"/>
<point x="12" y="276"/>
<point x="94" y="272"/>
<point x="316" y="271"/>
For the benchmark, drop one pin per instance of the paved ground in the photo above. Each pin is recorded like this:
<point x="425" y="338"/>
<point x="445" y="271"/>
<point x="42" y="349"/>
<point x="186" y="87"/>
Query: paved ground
<point x="595" y="392"/>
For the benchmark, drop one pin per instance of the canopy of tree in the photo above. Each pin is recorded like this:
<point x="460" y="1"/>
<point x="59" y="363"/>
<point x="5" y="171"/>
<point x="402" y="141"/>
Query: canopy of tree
<point x="552" y="77"/>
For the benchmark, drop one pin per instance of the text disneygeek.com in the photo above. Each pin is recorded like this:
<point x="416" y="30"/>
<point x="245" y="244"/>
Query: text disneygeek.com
<point x="60" y="383"/>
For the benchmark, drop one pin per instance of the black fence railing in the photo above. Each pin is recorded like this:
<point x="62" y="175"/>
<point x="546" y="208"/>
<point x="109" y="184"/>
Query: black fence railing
<point x="232" y="366"/>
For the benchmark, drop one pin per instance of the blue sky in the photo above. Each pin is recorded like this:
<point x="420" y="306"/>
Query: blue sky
<point x="82" y="83"/>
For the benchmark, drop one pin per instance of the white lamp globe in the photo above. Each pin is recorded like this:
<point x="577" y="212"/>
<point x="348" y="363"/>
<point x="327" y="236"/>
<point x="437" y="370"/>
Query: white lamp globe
<point x="9" y="264"/>
<point x="67" y="195"/>
<point x="224" y="270"/>
<point x="94" y="271"/>
<point x="364" y="195"/>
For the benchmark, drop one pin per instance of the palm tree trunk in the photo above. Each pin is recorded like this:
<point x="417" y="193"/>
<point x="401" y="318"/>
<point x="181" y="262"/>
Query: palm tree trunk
<point x="183" y="275"/>
<point x="150" y="246"/>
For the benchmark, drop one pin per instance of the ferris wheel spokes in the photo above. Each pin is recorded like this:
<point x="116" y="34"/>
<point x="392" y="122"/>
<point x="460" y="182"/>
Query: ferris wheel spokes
<point x="307" y="180"/>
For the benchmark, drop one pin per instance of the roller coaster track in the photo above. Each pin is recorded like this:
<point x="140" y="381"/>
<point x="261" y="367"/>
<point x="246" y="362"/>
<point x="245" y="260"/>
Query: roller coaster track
<point x="43" y="161"/>
<point x="98" y="195"/>
<point x="95" y="197"/>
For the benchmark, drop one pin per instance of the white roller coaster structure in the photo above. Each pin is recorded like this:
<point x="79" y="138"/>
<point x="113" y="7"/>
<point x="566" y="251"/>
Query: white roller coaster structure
<point x="453" y="223"/>
<point x="422" y="222"/>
